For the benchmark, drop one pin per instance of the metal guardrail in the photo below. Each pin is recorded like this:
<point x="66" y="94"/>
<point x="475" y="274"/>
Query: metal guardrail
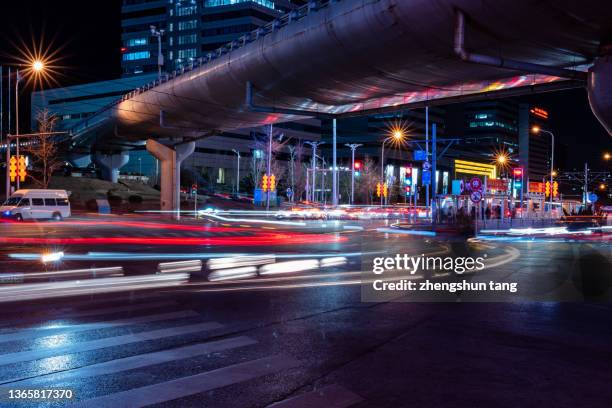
<point x="284" y="20"/>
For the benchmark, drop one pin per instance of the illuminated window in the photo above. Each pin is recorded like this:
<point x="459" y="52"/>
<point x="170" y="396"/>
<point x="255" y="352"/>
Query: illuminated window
<point x="187" y="24"/>
<point x="187" y="39"/>
<point x="187" y="53"/>
<point x="185" y="11"/>
<point x="221" y="176"/>
<point x="132" y="42"/>
<point x="217" y="3"/>
<point x="133" y="56"/>
<point x="481" y="116"/>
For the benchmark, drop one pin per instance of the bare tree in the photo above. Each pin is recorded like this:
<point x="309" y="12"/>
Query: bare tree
<point x="365" y="186"/>
<point x="43" y="150"/>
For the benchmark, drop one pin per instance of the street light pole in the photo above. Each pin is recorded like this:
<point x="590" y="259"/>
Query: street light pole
<point x="237" y="171"/>
<point x="353" y="147"/>
<point x="314" y="166"/>
<point x="269" y="166"/>
<point x="17" y="78"/>
<point x="335" y="165"/>
<point x="160" y="57"/>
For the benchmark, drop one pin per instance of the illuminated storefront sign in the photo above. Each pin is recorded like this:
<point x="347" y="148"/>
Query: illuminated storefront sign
<point x="475" y="168"/>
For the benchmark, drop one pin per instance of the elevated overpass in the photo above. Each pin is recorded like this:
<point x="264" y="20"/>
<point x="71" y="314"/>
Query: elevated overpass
<point x="355" y="57"/>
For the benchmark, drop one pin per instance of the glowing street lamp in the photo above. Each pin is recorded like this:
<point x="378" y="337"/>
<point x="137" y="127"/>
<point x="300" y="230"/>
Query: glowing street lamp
<point x="607" y="156"/>
<point x="397" y="135"/>
<point x="38" y="66"/>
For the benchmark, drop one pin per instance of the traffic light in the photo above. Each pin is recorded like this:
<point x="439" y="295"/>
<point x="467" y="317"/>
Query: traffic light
<point x="555" y="189"/>
<point x="194" y="189"/>
<point x="356" y="168"/>
<point x="547" y="189"/>
<point x="357" y="165"/>
<point x="272" y="182"/>
<point x="385" y="190"/>
<point x="408" y="171"/>
<point x="13" y="168"/>
<point x="518" y="177"/>
<point x="408" y="188"/>
<point x="264" y="182"/>
<point x="21" y="168"/>
<point x="378" y="189"/>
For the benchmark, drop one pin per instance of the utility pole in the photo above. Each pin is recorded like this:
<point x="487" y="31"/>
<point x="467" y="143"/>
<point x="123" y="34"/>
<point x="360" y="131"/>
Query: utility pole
<point x="269" y="165"/>
<point x="17" y="79"/>
<point x="353" y="147"/>
<point x="427" y="156"/>
<point x="334" y="165"/>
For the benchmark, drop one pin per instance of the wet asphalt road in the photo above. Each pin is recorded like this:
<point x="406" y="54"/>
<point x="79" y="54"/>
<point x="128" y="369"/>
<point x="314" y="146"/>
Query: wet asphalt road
<point x="307" y="338"/>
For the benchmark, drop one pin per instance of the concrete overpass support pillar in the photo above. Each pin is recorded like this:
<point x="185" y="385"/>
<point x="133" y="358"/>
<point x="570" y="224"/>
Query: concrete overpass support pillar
<point x="111" y="163"/>
<point x="170" y="174"/>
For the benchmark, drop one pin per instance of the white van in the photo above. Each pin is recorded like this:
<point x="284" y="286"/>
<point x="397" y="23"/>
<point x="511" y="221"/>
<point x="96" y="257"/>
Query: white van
<point x="36" y="204"/>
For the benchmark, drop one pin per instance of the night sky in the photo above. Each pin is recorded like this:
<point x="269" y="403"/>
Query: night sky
<point x="89" y="36"/>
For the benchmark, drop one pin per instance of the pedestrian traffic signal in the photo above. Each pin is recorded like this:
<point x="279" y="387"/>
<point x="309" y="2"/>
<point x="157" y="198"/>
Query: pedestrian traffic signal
<point x="555" y="189"/>
<point x="378" y="189"/>
<point x="13" y="168"/>
<point x="547" y="189"/>
<point x="264" y="183"/>
<point x="272" y="182"/>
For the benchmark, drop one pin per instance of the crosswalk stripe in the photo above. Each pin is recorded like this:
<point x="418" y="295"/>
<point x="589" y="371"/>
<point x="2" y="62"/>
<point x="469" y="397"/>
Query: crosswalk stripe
<point x="39" y="353"/>
<point x="331" y="396"/>
<point x="73" y="328"/>
<point x="191" y="385"/>
<point x="88" y="313"/>
<point x="133" y="362"/>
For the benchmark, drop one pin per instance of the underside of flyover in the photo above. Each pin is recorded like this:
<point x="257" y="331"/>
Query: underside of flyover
<point x="352" y="57"/>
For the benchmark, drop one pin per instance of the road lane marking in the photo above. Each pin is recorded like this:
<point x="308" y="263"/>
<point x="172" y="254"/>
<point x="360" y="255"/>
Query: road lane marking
<point x="74" y="328"/>
<point x="90" y="312"/>
<point x="331" y="396"/>
<point x="39" y="353"/>
<point x="134" y="362"/>
<point x="191" y="385"/>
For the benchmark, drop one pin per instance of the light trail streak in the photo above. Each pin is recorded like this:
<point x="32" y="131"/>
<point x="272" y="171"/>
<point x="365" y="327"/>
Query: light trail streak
<point x="260" y="239"/>
<point x="34" y="291"/>
<point x="73" y="273"/>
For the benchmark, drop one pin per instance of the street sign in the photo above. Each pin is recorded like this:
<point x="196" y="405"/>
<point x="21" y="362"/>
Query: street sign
<point x="536" y="187"/>
<point x="426" y="166"/>
<point x="476" y="184"/>
<point x="497" y="184"/>
<point x="476" y="196"/>
<point x="456" y="187"/>
<point x="426" y="177"/>
<point x="420" y="155"/>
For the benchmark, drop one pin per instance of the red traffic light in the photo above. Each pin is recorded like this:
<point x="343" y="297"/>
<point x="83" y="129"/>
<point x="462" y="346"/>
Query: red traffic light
<point x="124" y="49"/>
<point x="518" y="172"/>
<point x="357" y="165"/>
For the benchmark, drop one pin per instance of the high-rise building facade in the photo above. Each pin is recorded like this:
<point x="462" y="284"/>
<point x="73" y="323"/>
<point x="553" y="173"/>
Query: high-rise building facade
<point x="188" y="29"/>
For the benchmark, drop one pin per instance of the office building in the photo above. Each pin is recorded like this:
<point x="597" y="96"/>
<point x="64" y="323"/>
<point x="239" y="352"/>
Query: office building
<point x="188" y="29"/>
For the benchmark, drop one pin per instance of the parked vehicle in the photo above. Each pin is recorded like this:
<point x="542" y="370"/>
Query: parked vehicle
<point x="36" y="204"/>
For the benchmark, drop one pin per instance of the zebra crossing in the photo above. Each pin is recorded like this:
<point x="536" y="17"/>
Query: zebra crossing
<point x="230" y="359"/>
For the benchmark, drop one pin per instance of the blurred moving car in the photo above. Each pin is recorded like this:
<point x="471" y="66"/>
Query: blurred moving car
<point x="32" y="204"/>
